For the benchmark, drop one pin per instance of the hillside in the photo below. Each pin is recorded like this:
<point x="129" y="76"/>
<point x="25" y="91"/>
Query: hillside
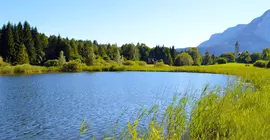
<point x="253" y="37"/>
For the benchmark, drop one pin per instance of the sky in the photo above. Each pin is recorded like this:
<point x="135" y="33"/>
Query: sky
<point x="182" y="23"/>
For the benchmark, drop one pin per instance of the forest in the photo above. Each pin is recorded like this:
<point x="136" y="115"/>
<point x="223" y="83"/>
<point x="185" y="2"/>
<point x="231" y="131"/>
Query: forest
<point x="22" y="44"/>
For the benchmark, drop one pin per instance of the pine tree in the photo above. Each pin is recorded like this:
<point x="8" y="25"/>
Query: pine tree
<point x="69" y="51"/>
<point x="207" y="59"/>
<point x="22" y="56"/>
<point x="170" y="60"/>
<point x="213" y="58"/>
<point x="173" y="53"/>
<point x="29" y="43"/>
<point x="20" y="32"/>
<point x="9" y="44"/>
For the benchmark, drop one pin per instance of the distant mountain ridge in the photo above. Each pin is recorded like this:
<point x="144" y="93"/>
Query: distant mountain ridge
<point x="253" y="37"/>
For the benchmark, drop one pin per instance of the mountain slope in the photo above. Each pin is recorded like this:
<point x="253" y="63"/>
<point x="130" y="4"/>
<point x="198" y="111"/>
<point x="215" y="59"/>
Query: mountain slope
<point x="253" y="37"/>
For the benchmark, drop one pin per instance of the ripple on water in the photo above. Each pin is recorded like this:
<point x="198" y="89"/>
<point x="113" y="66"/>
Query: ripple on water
<point x="53" y="106"/>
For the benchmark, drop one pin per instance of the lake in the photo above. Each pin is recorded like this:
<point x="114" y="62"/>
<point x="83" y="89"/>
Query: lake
<point x="53" y="106"/>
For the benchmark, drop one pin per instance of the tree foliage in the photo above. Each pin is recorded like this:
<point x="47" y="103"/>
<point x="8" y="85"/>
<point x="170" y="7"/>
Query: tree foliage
<point x="21" y="43"/>
<point x="229" y="56"/>
<point x="255" y="56"/>
<point x="196" y="56"/>
<point x="266" y="54"/>
<point x="207" y="60"/>
<point x="62" y="58"/>
<point x="244" y="57"/>
<point x="221" y="60"/>
<point x="183" y="59"/>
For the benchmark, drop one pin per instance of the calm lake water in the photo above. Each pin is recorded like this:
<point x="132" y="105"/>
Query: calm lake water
<point x="53" y="106"/>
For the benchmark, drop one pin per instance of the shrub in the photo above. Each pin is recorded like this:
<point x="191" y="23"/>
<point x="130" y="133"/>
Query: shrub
<point x="221" y="60"/>
<point x="27" y="69"/>
<point x="78" y="60"/>
<point x="183" y="59"/>
<point x="268" y="64"/>
<point x="141" y="63"/>
<point x="1" y="61"/>
<point x="260" y="63"/>
<point x="113" y="63"/>
<point x="101" y="62"/>
<point x="159" y="64"/>
<point x="51" y="63"/>
<point x="72" y="66"/>
<point x="129" y="63"/>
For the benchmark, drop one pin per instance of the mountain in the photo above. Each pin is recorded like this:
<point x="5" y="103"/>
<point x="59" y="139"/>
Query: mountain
<point x="253" y="37"/>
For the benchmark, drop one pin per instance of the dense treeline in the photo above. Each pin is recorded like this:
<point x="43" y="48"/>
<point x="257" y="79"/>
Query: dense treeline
<point x="21" y="44"/>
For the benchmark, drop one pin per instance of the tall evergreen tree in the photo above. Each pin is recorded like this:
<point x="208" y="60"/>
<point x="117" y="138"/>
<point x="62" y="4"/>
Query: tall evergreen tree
<point x="214" y="58"/>
<point x="173" y="53"/>
<point x="40" y="55"/>
<point x="68" y="51"/>
<point x="207" y="59"/>
<point x="170" y="60"/>
<point x="29" y="43"/>
<point x="8" y="44"/>
<point x="20" y="31"/>
<point x="1" y="43"/>
<point x="22" y="56"/>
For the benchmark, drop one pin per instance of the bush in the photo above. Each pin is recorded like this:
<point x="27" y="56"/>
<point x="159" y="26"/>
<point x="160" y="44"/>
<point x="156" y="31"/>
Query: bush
<point x="27" y="69"/>
<point x="1" y="61"/>
<point x="72" y="66"/>
<point x="221" y="60"/>
<point x="141" y="63"/>
<point x="51" y="63"/>
<point x="260" y="63"/>
<point x="183" y="59"/>
<point x="268" y="64"/>
<point x="113" y="63"/>
<point x="159" y="64"/>
<point x="101" y="62"/>
<point x="129" y="63"/>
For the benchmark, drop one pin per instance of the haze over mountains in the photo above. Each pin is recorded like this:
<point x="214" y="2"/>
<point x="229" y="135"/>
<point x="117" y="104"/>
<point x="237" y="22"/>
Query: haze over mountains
<point x="253" y="37"/>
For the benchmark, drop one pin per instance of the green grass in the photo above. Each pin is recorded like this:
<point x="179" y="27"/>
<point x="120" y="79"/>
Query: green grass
<point x="26" y="69"/>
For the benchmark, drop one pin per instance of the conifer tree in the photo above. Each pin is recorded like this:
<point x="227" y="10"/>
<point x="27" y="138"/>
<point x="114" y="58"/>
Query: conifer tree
<point x="22" y="56"/>
<point x="29" y="43"/>
<point x="9" y="44"/>
<point x="170" y="60"/>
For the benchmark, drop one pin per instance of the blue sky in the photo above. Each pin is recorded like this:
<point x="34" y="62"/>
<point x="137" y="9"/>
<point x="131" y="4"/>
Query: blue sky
<point x="182" y="23"/>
